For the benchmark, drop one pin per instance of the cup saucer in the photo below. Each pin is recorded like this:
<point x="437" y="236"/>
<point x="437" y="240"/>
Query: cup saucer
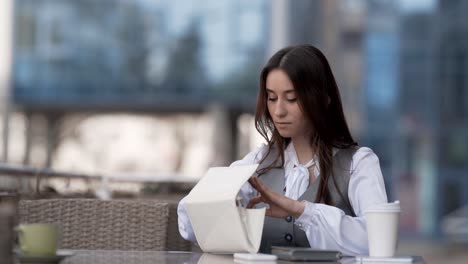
<point x="61" y="254"/>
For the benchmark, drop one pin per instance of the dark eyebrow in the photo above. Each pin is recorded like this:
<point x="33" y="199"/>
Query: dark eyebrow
<point x="288" y="91"/>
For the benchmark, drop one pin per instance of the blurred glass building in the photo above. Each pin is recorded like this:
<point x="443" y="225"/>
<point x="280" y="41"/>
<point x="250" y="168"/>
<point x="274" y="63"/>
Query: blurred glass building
<point x="164" y="55"/>
<point x="381" y="55"/>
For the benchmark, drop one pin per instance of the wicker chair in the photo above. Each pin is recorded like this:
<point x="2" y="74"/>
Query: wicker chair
<point x="174" y="241"/>
<point x="96" y="224"/>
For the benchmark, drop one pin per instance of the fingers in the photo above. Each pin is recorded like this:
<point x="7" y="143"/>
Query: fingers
<point x="257" y="184"/>
<point x="255" y="201"/>
<point x="259" y="199"/>
<point x="254" y="182"/>
<point x="268" y="212"/>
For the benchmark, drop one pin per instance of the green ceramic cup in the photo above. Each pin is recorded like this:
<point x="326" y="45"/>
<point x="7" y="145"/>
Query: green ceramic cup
<point x="38" y="239"/>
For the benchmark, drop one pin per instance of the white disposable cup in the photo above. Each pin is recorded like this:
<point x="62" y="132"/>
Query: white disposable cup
<point x="382" y="229"/>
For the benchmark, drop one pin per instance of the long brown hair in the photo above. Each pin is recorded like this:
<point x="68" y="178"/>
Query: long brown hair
<point x="320" y="102"/>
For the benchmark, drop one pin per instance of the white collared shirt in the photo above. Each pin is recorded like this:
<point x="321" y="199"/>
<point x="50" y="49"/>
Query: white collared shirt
<point x="326" y="227"/>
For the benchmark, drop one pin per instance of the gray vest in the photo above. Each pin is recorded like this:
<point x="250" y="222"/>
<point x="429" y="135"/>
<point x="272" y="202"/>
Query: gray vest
<point x="282" y="231"/>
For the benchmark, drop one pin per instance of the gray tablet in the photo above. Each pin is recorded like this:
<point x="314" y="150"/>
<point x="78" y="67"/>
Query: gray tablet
<point x="305" y="254"/>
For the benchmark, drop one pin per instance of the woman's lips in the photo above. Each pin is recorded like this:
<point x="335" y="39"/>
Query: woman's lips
<point x="282" y="124"/>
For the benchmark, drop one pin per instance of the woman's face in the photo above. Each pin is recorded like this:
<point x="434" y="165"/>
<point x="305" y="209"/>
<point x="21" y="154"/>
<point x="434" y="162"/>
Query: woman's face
<point x="283" y="106"/>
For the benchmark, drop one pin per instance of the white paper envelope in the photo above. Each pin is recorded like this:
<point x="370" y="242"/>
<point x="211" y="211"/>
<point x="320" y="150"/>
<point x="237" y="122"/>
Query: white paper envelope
<point x="219" y="225"/>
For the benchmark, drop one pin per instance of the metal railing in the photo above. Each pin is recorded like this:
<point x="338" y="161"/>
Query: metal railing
<point x="39" y="174"/>
<point x="27" y="171"/>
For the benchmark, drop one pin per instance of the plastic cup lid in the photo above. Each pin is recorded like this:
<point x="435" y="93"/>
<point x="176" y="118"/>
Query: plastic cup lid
<point x="385" y="208"/>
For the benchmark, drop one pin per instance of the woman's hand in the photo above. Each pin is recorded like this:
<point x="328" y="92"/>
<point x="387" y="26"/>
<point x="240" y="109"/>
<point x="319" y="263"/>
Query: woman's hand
<point x="279" y="205"/>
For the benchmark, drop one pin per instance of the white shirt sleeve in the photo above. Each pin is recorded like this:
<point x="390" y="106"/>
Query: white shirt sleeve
<point x="327" y="227"/>
<point x="246" y="192"/>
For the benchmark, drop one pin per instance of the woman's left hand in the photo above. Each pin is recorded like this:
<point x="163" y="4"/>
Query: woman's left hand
<point x="279" y="205"/>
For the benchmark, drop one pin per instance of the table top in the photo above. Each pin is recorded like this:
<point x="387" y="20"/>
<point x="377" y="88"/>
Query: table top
<point x="172" y="257"/>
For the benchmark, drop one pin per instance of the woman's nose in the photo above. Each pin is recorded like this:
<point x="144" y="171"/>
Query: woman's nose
<point x="280" y="108"/>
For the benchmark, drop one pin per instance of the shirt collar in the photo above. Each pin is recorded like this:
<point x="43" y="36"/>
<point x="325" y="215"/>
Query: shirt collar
<point x="335" y="150"/>
<point x="292" y="155"/>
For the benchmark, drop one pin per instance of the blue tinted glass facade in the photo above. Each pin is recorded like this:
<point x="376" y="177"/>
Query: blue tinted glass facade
<point x="136" y="53"/>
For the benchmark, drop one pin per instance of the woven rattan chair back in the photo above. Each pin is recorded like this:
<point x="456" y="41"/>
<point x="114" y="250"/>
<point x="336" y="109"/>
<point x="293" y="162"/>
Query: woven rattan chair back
<point x="96" y="224"/>
<point x="174" y="241"/>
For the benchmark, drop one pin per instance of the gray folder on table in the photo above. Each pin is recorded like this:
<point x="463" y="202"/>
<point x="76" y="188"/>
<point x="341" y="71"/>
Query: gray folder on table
<point x="305" y="254"/>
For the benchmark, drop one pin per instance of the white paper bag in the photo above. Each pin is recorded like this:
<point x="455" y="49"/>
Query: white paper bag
<point x="219" y="225"/>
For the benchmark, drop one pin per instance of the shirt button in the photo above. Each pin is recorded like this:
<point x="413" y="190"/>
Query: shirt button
<point x="288" y="219"/>
<point x="288" y="237"/>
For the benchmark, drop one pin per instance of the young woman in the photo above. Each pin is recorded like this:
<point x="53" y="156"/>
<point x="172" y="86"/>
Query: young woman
<point x="313" y="178"/>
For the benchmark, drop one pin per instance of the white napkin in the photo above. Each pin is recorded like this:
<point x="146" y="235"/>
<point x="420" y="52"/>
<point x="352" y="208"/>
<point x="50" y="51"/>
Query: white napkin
<point x="219" y="225"/>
